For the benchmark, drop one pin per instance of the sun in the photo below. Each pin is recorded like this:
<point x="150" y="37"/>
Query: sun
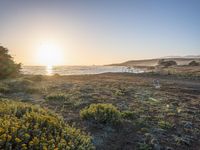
<point x="49" y="55"/>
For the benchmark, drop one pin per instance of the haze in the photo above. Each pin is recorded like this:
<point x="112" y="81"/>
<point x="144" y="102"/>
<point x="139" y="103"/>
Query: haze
<point x="100" y="32"/>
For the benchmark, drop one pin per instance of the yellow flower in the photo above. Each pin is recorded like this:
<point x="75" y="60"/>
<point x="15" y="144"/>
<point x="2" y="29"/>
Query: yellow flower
<point x="35" y="126"/>
<point x="26" y="135"/>
<point x="18" y="140"/>
<point x="24" y="147"/>
<point x="1" y="130"/>
<point x="35" y="141"/>
<point x="3" y="137"/>
<point x="31" y="143"/>
<point x="44" y="148"/>
<point x="9" y="138"/>
<point x="13" y="129"/>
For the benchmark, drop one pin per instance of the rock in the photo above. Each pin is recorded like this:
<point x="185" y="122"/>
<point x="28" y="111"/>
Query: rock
<point x="188" y="125"/>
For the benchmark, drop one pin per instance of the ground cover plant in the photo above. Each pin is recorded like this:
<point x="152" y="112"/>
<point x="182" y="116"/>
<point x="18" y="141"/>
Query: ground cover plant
<point x="150" y="118"/>
<point x="102" y="113"/>
<point x="24" y="126"/>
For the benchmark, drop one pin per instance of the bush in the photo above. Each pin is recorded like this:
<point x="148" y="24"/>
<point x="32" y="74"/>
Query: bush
<point x="165" y="125"/>
<point x="19" y="82"/>
<point x="194" y="63"/>
<point x="57" y="97"/>
<point x="8" y="68"/>
<point x="24" y="126"/>
<point x="37" y="78"/>
<point x="20" y="85"/>
<point x="168" y="63"/>
<point x="128" y="115"/>
<point x="4" y="88"/>
<point x="101" y="113"/>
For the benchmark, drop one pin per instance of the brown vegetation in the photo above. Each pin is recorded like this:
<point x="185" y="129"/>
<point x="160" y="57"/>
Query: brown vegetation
<point x="194" y="63"/>
<point x="150" y="117"/>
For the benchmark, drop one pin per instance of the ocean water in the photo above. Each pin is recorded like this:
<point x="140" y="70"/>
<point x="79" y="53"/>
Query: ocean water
<point x="75" y="70"/>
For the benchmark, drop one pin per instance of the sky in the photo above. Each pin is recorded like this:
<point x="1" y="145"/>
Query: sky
<point x="87" y="32"/>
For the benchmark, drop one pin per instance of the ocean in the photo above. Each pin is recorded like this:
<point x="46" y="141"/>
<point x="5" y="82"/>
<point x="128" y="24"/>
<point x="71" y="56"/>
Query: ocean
<point x="75" y="70"/>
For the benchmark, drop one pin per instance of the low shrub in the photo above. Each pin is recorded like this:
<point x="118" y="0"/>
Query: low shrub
<point x="165" y="125"/>
<point x="56" y="75"/>
<point x="21" y="85"/>
<point x="194" y="63"/>
<point x="101" y="113"/>
<point x="37" y="78"/>
<point x="4" y="88"/>
<point x="56" y="97"/>
<point x="24" y="126"/>
<point x="166" y="63"/>
<point x="143" y="146"/>
<point x="20" y="82"/>
<point x="128" y="115"/>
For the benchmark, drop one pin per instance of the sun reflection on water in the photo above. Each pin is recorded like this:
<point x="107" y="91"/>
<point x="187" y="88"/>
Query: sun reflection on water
<point x="49" y="70"/>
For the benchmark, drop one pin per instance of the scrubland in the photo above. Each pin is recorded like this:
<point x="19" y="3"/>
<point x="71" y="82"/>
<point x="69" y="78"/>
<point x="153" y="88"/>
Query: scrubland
<point x="105" y="111"/>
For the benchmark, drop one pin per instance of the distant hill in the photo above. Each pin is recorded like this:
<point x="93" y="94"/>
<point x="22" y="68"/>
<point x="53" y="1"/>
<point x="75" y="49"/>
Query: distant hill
<point x="152" y="62"/>
<point x="187" y="56"/>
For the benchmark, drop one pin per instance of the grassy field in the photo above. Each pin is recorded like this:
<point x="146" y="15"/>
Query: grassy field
<point x="119" y="110"/>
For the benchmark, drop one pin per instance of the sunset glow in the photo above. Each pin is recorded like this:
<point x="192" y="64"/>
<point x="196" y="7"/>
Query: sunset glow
<point x="49" y="55"/>
<point x="99" y="74"/>
<point x="83" y="34"/>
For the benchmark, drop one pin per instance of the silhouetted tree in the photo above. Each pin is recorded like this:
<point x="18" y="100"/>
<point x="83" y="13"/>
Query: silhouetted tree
<point x="8" y="68"/>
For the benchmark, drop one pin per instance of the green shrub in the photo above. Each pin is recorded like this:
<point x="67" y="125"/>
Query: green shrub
<point x="194" y="63"/>
<point x="37" y="78"/>
<point x="19" y="82"/>
<point x="165" y="125"/>
<point x="21" y="85"/>
<point x="4" y="88"/>
<point x="143" y="146"/>
<point x="24" y="126"/>
<point x="166" y="63"/>
<point x="8" y="68"/>
<point x="128" y="115"/>
<point x="57" y="97"/>
<point x="101" y="113"/>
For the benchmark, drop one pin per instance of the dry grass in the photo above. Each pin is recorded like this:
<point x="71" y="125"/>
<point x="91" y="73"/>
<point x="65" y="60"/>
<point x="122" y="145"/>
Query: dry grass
<point x="165" y="117"/>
